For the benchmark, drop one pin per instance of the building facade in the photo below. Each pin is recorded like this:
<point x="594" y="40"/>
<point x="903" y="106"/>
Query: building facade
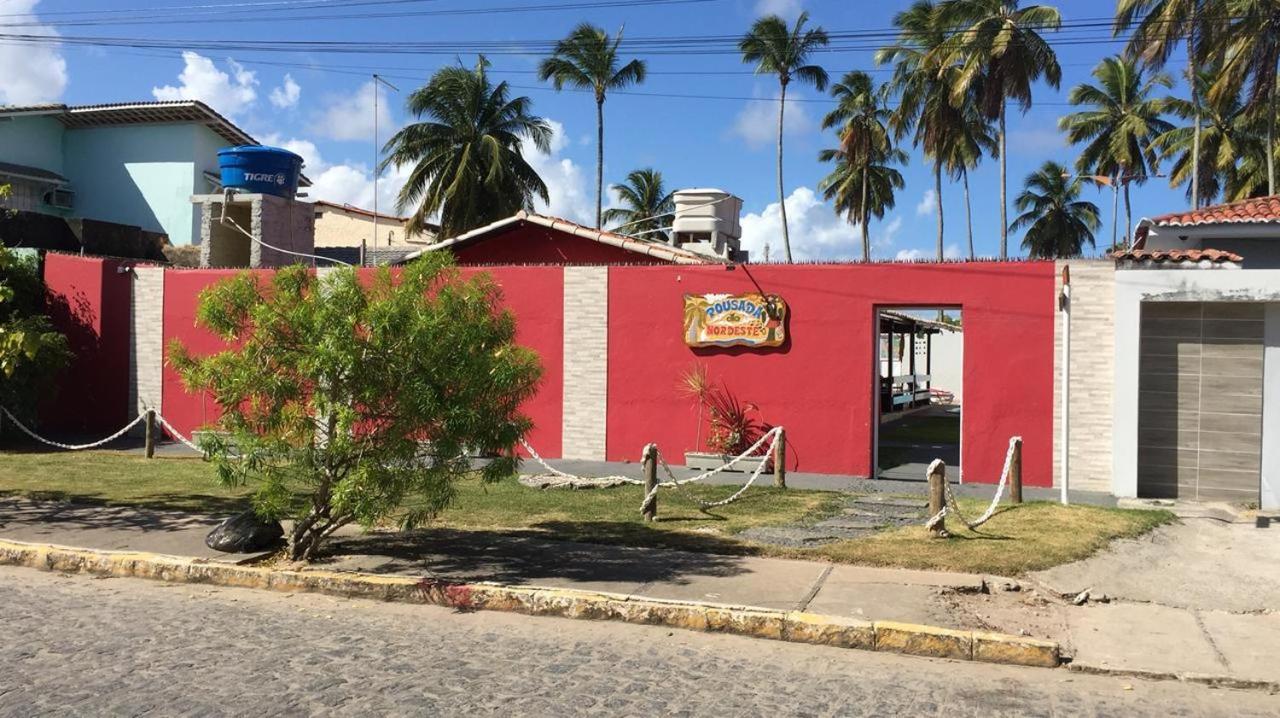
<point x="134" y="164"/>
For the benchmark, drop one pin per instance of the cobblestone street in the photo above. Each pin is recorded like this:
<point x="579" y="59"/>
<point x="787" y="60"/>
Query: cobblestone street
<point x="78" y="645"/>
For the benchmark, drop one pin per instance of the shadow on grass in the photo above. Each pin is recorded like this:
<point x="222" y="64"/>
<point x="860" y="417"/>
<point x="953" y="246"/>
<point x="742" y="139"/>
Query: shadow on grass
<point x="551" y="551"/>
<point x="161" y="512"/>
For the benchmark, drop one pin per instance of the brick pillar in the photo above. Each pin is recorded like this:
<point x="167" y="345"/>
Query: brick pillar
<point x="146" y="345"/>
<point x="586" y="362"/>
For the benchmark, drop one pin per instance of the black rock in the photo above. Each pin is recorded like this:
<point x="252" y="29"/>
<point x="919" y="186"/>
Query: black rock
<point x="245" y="533"/>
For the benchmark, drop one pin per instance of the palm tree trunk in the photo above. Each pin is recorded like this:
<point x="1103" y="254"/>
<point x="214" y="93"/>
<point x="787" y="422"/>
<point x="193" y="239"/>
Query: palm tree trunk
<point x="782" y="198"/>
<point x="862" y="208"/>
<point x="1271" y="140"/>
<point x="599" y="157"/>
<point x="1004" y="217"/>
<point x="937" y="191"/>
<point x="1115" y="208"/>
<point x="1128" y="217"/>
<point x="1193" y="78"/>
<point x="968" y="209"/>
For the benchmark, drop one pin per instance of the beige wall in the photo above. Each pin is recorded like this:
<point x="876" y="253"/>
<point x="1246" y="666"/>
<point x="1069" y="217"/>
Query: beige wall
<point x="1092" y="374"/>
<point x="337" y="228"/>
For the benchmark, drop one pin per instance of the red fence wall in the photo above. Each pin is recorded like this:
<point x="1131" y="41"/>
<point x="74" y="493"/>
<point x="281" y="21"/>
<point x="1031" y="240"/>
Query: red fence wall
<point x="89" y="302"/>
<point x="535" y="244"/>
<point x="534" y="294"/>
<point x="819" y="385"/>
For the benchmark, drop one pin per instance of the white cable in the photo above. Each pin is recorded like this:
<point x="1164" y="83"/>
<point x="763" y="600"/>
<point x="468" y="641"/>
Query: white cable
<point x="70" y="447"/>
<point x="571" y="477"/>
<point x="227" y="220"/>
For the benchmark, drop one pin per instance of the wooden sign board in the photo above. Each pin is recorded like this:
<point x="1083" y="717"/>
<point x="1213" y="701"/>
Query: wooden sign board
<point x="731" y="320"/>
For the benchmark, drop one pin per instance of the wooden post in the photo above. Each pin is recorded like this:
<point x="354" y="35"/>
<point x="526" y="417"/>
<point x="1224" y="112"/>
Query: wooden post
<point x="150" y="423"/>
<point x="937" y="496"/>
<point x="650" y="509"/>
<point x="780" y="459"/>
<point x="1015" y="472"/>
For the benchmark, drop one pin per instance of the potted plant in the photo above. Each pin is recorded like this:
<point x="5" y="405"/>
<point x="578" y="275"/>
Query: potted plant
<point x="732" y="426"/>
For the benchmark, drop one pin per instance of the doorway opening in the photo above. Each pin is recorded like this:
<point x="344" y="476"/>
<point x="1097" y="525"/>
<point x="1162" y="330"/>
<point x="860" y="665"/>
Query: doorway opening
<point x="919" y="391"/>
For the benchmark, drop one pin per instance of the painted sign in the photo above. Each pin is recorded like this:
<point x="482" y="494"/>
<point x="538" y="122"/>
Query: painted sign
<point x="728" y="320"/>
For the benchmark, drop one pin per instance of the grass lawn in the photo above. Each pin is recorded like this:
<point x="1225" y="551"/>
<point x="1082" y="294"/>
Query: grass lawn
<point x="1018" y="539"/>
<point x="922" y="430"/>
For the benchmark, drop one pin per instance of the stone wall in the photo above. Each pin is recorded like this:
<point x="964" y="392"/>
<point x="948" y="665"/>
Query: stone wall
<point x="586" y="362"/>
<point x="1092" y="374"/>
<point x="146" y="345"/>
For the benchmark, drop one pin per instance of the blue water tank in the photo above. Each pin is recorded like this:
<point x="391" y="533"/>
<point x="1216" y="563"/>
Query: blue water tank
<point x="261" y="170"/>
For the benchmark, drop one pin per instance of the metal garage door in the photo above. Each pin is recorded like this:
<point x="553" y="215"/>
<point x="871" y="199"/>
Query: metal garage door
<point x="1200" y="400"/>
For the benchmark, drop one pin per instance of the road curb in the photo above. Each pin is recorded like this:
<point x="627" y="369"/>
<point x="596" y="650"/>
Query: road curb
<point x="793" y="626"/>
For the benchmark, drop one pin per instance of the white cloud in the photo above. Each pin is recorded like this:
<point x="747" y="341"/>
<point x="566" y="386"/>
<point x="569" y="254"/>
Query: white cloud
<point x="757" y="122"/>
<point x="344" y="183"/>
<point x="928" y="203"/>
<point x="287" y="94"/>
<point x="201" y="80"/>
<point x="817" y="232"/>
<point x="915" y="254"/>
<point x="30" y="73"/>
<point x="350" y="117"/>
<point x="786" y="8"/>
<point x="568" y="183"/>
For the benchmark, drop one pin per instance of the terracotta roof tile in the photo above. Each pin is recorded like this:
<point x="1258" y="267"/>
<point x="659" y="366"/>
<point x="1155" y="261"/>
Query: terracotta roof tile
<point x="1249" y="211"/>
<point x="1177" y="256"/>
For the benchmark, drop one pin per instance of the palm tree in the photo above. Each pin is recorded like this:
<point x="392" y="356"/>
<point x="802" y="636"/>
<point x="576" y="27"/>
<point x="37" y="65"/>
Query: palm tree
<point x="1250" y="48"/>
<point x="1227" y="161"/>
<point x="1059" y="224"/>
<point x="999" y="50"/>
<point x="972" y="141"/>
<point x="922" y="83"/>
<point x="466" y="152"/>
<point x="860" y="191"/>
<point x="647" y="205"/>
<point x="1119" y="127"/>
<point x="1159" y="26"/>
<point x="780" y="51"/>
<point x="588" y="60"/>
<point x="861" y="117"/>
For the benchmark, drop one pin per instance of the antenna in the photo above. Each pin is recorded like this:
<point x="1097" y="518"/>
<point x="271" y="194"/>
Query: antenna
<point x="377" y="152"/>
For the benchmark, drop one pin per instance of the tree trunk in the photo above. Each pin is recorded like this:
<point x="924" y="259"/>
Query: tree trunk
<point x="782" y="198"/>
<point x="599" y="156"/>
<point x="1115" y="209"/>
<point x="968" y="210"/>
<point x="862" y="208"/>
<point x="1193" y="77"/>
<point x="937" y="190"/>
<point x="1004" y="216"/>
<point x="1128" y="219"/>
<point x="1271" y="140"/>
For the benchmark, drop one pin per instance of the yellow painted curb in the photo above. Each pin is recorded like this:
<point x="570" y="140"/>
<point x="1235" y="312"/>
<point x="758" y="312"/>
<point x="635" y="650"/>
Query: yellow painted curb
<point x="794" y="626"/>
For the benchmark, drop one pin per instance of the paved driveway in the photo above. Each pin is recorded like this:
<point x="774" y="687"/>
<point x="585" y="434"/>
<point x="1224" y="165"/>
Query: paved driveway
<point x="1200" y="563"/>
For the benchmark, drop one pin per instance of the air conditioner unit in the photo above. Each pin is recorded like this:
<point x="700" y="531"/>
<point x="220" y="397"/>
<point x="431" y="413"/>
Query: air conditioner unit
<point x="60" y="198"/>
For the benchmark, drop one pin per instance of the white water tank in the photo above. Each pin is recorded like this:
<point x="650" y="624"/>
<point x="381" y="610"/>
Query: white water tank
<point x="707" y="221"/>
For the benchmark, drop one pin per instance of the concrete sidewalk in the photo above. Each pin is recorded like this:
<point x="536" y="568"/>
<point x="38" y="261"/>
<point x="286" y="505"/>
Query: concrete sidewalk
<point x="1194" y="642"/>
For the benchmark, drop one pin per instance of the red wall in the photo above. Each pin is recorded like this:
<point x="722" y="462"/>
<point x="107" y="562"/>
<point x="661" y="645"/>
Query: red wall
<point x="89" y="302"/>
<point x="534" y="244"/>
<point x="819" y="385"/>
<point x="534" y="294"/>
<point x="185" y="410"/>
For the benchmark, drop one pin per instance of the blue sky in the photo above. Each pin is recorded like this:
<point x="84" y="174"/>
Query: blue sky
<point x="320" y="104"/>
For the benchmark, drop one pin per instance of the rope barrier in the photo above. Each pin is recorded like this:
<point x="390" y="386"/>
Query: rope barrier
<point x="70" y="447"/>
<point x="94" y="444"/>
<point x="953" y="507"/>
<point x="771" y="436"/>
